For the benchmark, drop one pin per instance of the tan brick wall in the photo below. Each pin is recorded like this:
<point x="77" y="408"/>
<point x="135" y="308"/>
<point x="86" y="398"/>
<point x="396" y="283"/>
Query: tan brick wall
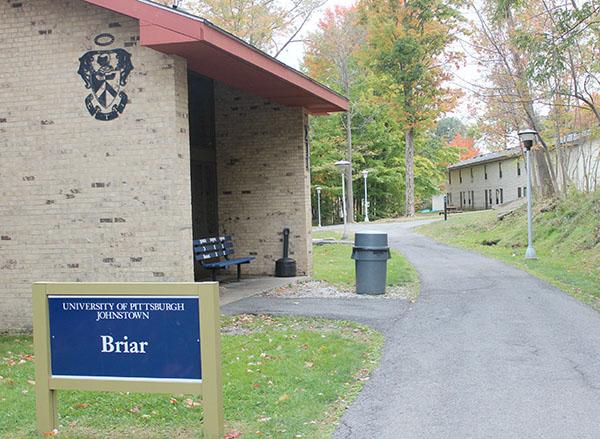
<point x="82" y="199"/>
<point x="263" y="181"/>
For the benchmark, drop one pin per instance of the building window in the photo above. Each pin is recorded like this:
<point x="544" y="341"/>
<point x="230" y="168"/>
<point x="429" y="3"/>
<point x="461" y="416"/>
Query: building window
<point x="460" y="175"/>
<point x="497" y="196"/>
<point x="518" y="168"/>
<point x="501" y="196"/>
<point x="500" y="169"/>
<point x="485" y="171"/>
<point x="471" y="175"/>
<point x="473" y="198"/>
<point x="469" y="197"/>
<point x="449" y="177"/>
<point x="524" y="191"/>
<point x="490" y="196"/>
<point x="519" y="190"/>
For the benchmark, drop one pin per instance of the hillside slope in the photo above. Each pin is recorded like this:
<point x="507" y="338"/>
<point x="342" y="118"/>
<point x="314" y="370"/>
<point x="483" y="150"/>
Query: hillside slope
<point x="566" y="239"/>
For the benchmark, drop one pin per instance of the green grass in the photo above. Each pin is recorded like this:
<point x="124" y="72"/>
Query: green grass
<point x="283" y="378"/>
<point x="566" y="240"/>
<point x="330" y="234"/>
<point x="332" y="264"/>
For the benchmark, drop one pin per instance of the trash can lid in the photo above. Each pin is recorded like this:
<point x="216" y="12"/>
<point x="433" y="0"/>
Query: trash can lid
<point x="370" y="238"/>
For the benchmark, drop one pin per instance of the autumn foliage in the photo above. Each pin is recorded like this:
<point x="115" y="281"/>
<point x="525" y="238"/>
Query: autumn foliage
<point x="466" y="145"/>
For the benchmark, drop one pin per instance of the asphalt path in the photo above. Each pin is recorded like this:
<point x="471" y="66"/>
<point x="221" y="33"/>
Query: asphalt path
<point x="487" y="351"/>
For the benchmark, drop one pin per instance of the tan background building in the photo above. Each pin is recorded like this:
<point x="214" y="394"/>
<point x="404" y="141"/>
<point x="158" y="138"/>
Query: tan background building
<point x="497" y="178"/>
<point x="487" y="180"/>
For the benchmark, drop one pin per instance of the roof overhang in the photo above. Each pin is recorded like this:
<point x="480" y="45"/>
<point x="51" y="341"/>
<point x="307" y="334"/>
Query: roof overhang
<point x="217" y="54"/>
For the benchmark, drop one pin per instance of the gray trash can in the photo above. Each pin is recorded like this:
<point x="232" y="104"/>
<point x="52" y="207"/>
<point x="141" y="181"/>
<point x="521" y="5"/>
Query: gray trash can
<point x="371" y="253"/>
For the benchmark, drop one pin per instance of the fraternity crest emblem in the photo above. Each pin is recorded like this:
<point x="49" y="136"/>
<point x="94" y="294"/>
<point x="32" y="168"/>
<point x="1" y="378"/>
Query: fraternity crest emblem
<point x="105" y="72"/>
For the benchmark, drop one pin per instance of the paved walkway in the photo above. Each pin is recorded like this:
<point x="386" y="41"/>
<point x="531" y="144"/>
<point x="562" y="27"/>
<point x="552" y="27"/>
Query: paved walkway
<point x="488" y="351"/>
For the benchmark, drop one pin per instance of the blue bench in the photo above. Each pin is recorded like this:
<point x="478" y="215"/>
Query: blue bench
<point x="209" y="251"/>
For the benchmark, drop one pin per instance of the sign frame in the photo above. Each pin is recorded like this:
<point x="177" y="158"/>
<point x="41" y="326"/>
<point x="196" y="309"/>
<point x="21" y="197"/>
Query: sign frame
<point x="210" y="387"/>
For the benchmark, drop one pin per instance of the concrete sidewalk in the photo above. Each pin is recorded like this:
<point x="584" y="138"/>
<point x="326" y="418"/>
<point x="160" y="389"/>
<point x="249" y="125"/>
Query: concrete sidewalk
<point x="232" y="291"/>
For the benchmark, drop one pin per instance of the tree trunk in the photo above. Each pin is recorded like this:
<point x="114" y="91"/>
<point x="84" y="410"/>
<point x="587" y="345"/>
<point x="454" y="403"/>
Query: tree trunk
<point x="409" y="155"/>
<point x="541" y="156"/>
<point x="349" y="190"/>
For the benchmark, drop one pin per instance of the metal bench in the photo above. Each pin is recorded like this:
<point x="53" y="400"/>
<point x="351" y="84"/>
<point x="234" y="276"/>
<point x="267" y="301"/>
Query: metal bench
<point x="451" y="209"/>
<point x="209" y="251"/>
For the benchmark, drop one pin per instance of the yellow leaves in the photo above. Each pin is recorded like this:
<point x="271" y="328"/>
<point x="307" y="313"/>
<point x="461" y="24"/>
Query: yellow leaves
<point x="30" y="382"/>
<point x="308" y="364"/>
<point x="284" y="397"/>
<point x="173" y="401"/>
<point x="81" y="405"/>
<point x="50" y="433"/>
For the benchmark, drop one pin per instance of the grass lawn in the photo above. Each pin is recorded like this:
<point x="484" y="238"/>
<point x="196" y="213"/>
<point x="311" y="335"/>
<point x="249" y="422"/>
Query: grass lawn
<point x="332" y="263"/>
<point x="566" y="240"/>
<point x="283" y="378"/>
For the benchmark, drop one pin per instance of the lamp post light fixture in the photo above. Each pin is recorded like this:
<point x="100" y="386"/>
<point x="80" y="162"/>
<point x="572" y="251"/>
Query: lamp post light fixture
<point x="365" y="173"/>
<point x="342" y="165"/>
<point x="319" y="203"/>
<point x="527" y="137"/>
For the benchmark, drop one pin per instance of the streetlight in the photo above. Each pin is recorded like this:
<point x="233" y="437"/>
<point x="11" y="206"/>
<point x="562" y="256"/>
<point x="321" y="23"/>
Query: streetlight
<point x="342" y="165"/>
<point x="527" y="138"/>
<point x="365" y="173"/>
<point x="319" y="203"/>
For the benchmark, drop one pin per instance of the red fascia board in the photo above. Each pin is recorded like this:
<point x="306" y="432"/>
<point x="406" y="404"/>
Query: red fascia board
<point x="161" y="27"/>
<point x="241" y="50"/>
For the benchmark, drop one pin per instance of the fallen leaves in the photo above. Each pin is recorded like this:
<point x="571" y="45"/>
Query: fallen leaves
<point x="18" y="360"/>
<point x="81" y="405"/>
<point x="233" y="434"/>
<point x="190" y="403"/>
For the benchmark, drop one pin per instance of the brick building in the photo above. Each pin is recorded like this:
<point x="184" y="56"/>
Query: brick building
<point x="126" y="130"/>
<point x="496" y="178"/>
<point x="487" y="180"/>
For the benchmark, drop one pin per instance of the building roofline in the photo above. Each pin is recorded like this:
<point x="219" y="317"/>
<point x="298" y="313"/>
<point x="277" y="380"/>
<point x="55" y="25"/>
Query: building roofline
<point x="169" y="30"/>
<point x="489" y="157"/>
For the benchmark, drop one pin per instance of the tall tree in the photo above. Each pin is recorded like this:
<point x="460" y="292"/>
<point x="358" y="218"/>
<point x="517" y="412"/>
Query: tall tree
<point x="330" y="58"/>
<point x="541" y="62"/>
<point x="409" y="43"/>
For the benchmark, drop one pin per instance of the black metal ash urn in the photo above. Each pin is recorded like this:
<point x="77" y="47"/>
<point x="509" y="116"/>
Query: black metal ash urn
<point x="286" y="266"/>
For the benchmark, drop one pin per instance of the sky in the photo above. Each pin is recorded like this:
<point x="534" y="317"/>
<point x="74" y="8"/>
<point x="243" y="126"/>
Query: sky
<point x="294" y="53"/>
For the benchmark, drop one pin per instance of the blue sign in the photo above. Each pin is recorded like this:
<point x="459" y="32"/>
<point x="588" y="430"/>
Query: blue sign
<point x="152" y="337"/>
